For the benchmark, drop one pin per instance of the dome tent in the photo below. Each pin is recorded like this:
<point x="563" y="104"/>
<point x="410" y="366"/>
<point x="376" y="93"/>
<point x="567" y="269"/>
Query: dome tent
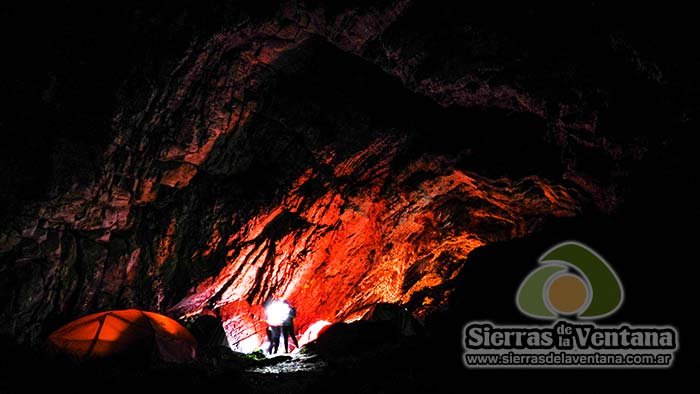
<point x="121" y="332"/>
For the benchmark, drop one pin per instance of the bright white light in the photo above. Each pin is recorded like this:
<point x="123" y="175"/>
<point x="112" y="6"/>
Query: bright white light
<point x="277" y="312"/>
<point x="249" y="345"/>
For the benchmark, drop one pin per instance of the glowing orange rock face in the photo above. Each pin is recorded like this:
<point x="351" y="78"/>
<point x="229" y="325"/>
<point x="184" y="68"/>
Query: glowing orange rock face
<point x="179" y="176"/>
<point x="352" y="243"/>
<point x="353" y="214"/>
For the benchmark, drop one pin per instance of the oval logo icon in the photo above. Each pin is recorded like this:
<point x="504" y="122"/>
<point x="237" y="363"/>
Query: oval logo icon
<point x="572" y="281"/>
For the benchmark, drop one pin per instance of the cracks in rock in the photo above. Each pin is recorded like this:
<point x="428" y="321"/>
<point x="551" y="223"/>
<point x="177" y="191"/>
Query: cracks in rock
<point x="393" y="151"/>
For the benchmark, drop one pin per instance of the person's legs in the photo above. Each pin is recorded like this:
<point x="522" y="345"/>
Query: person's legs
<point x="279" y="336"/>
<point x="288" y="332"/>
<point x="293" y="335"/>
<point x="285" y="333"/>
<point x="268" y="331"/>
<point x="275" y="341"/>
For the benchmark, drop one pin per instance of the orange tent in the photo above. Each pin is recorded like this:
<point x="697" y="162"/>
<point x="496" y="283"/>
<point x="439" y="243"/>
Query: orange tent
<point x="114" y="333"/>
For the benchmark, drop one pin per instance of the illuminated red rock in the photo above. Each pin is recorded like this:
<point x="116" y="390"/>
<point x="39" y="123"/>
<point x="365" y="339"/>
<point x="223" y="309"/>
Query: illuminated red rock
<point x="343" y="249"/>
<point x="294" y="157"/>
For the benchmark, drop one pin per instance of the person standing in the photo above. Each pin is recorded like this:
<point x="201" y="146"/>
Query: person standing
<point x="288" y="329"/>
<point x="275" y="315"/>
<point x="273" y="336"/>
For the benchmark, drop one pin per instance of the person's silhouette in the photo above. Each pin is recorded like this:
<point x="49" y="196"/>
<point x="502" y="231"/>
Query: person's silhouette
<point x="288" y="329"/>
<point x="273" y="336"/>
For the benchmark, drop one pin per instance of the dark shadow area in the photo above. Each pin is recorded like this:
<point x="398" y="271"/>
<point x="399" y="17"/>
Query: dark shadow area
<point x="632" y="69"/>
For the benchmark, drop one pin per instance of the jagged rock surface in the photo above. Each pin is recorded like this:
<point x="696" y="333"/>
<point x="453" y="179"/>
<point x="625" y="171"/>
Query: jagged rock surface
<point x="317" y="155"/>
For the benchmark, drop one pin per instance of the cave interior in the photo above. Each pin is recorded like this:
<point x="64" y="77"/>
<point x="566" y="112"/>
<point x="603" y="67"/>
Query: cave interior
<point x="183" y="158"/>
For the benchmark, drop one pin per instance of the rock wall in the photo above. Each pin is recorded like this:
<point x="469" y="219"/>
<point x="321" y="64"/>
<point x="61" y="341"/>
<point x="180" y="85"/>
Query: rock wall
<point x="336" y="157"/>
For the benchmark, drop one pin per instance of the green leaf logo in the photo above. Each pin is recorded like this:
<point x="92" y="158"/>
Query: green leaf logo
<point x="573" y="280"/>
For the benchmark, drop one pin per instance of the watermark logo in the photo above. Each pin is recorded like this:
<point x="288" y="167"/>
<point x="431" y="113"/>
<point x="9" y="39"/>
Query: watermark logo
<point x="572" y="286"/>
<point x="573" y="280"/>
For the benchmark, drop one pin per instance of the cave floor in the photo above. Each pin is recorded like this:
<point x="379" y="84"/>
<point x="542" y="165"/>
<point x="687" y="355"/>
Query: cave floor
<point x="291" y="363"/>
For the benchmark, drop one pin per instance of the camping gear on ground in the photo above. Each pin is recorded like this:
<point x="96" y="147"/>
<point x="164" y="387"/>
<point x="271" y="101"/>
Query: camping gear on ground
<point x="125" y="332"/>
